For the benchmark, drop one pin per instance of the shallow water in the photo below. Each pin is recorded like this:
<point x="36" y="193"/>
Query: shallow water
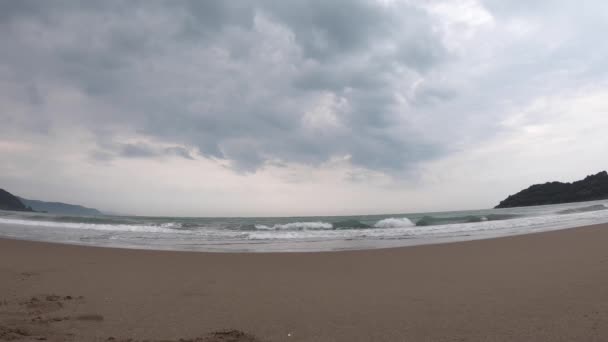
<point x="323" y="233"/>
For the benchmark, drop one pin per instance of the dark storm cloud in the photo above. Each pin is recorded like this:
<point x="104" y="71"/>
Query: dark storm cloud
<point x="178" y="151"/>
<point x="325" y="29"/>
<point x="137" y="151"/>
<point x="249" y="82"/>
<point x="110" y="152"/>
<point x="142" y="150"/>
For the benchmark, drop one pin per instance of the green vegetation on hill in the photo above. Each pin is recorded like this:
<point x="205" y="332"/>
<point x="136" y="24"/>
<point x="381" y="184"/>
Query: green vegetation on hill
<point x="594" y="187"/>
<point x="60" y="208"/>
<point x="10" y="202"/>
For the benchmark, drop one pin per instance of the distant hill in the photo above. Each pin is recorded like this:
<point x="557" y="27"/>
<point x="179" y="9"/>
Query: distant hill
<point x="594" y="187"/>
<point x="9" y="201"/>
<point x="60" y="208"/>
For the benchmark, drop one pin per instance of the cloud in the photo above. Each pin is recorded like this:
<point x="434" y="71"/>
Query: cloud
<point x="235" y="81"/>
<point x="281" y="92"/>
<point x="143" y="150"/>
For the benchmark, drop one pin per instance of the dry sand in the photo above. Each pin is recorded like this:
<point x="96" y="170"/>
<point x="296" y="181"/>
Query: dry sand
<point x="540" y="287"/>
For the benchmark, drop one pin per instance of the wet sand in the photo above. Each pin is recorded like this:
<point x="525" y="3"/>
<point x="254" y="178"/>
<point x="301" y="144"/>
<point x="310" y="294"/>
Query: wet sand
<point x="540" y="287"/>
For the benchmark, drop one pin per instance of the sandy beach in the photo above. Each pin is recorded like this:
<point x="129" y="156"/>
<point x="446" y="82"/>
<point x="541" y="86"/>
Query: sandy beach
<point x="540" y="287"/>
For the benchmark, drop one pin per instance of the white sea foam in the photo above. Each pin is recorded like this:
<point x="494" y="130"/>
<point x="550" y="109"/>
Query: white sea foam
<point x="171" y="225"/>
<point x="297" y="226"/>
<point x="392" y="222"/>
<point x="280" y="234"/>
<point x="393" y="228"/>
<point x="93" y="226"/>
<point x="262" y="227"/>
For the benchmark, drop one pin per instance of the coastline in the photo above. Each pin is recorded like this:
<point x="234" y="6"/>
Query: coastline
<point x="548" y="286"/>
<point x="297" y="234"/>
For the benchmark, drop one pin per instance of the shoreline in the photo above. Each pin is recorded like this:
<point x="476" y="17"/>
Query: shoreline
<point x="339" y="245"/>
<point x="547" y="286"/>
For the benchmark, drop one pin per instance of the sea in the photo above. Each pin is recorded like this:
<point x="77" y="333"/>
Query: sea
<point x="297" y="234"/>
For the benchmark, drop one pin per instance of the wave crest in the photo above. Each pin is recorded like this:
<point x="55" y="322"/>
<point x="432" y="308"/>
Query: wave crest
<point x="435" y="221"/>
<point x="94" y="226"/>
<point x="402" y="222"/>
<point x="297" y="226"/>
<point x="597" y="207"/>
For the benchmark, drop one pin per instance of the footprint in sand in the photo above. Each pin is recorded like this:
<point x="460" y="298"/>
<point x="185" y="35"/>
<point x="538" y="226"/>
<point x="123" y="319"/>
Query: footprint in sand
<point x="11" y="334"/>
<point x="30" y="320"/>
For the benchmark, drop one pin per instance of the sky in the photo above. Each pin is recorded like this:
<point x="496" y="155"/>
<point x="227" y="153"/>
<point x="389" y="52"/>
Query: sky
<point x="281" y="108"/>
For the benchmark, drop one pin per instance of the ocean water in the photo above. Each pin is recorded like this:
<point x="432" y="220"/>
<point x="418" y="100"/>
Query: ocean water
<point x="293" y="234"/>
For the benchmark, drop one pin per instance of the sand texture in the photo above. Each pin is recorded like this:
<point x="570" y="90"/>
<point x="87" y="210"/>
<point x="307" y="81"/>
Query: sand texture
<point x="539" y="287"/>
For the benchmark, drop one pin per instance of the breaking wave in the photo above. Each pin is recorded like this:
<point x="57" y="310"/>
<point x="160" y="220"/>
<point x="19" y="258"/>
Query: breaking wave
<point x="339" y="225"/>
<point x="94" y="226"/>
<point x="172" y="227"/>
<point x="295" y="233"/>
<point x="297" y="226"/>
<point x="350" y="224"/>
<point x="402" y="222"/>
<point x="583" y="209"/>
<point x="435" y="221"/>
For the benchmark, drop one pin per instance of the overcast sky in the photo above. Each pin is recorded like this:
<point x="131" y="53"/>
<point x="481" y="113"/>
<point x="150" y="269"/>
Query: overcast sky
<point x="229" y="108"/>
